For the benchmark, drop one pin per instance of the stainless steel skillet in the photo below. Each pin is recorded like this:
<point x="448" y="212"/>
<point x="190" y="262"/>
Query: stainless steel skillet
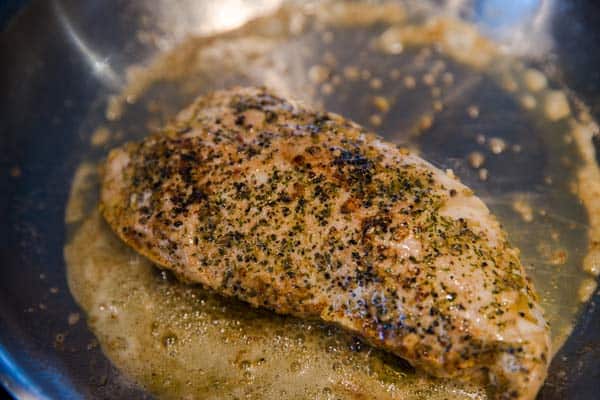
<point x="60" y="61"/>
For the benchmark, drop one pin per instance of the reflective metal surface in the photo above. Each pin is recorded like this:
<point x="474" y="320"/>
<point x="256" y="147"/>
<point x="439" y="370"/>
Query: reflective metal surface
<point x="63" y="59"/>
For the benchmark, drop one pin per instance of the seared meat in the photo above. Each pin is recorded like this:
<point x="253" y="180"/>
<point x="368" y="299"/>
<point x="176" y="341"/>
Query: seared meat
<point x="305" y="213"/>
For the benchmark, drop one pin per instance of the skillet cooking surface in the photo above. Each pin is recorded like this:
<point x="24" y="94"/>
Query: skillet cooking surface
<point x="62" y="60"/>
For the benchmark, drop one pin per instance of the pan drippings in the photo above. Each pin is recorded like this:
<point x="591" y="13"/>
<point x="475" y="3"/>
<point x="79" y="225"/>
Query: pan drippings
<point x="505" y="128"/>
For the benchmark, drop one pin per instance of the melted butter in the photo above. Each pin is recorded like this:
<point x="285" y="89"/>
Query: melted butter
<point x="181" y="341"/>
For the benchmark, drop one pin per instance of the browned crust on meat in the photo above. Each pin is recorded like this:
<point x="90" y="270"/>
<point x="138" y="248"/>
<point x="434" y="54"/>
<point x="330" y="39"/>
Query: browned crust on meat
<point x="305" y="213"/>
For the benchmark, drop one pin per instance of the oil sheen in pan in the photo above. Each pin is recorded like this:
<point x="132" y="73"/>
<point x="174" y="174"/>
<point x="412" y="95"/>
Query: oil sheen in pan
<point x="504" y="127"/>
